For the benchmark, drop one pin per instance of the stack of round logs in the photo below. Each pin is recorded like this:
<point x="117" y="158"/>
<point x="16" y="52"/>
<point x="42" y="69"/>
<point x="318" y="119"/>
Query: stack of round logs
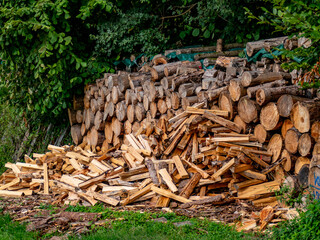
<point x="260" y="97"/>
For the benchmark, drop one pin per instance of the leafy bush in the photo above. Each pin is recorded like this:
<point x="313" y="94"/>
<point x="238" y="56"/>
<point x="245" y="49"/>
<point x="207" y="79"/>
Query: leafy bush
<point x="46" y="53"/>
<point x="306" y="227"/>
<point x="296" y="19"/>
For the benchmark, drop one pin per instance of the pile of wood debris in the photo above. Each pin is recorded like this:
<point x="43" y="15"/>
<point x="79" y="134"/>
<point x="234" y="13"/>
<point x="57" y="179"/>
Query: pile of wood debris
<point x="176" y="135"/>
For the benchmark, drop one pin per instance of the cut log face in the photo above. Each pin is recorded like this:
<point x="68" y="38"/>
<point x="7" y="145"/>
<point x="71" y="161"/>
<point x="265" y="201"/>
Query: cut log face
<point x="287" y="124"/>
<point x="108" y="132"/>
<point x="285" y="104"/>
<point x="287" y="164"/>
<point x="237" y="120"/>
<point x="291" y="140"/>
<point x="300" y="117"/>
<point x="76" y="134"/>
<point x="275" y="146"/>
<point x="305" y="144"/>
<point x="315" y="131"/>
<point x="247" y="110"/>
<point x="226" y="103"/>
<point x="260" y="133"/>
<point x="236" y="90"/>
<point x="269" y="116"/>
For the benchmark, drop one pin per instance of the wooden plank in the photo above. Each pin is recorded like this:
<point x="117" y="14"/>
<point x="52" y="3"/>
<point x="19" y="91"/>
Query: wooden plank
<point x="168" y="180"/>
<point x="106" y="189"/>
<point x="199" y="170"/>
<point x="6" y="193"/>
<point x="137" y="195"/>
<point x="103" y="198"/>
<point x="53" y="147"/>
<point x="230" y="139"/>
<point x="189" y="187"/>
<point x="138" y="177"/>
<point x="92" y="181"/>
<point x="222" y="170"/>
<point x="193" y="110"/>
<point x="14" y="167"/>
<point x="136" y="154"/>
<point x="78" y="156"/>
<point x="45" y="178"/>
<point x="70" y="180"/>
<point x="182" y="171"/>
<point x="224" y="122"/>
<point x="169" y="194"/>
<point x="88" y="198"/>
<point x="256" y="190"/>
<point x="255" y="158"/>
<point x="10" y="184"/>
<point x="75" y="164"/>
<point x="254" y="175"/>
<point x="28" y="165"/>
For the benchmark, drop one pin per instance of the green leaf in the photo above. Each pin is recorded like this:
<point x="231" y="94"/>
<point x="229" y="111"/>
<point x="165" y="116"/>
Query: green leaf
<point x="207" y="34"/>
<point x="196" y="32"/>
<point x="182" y="35"/>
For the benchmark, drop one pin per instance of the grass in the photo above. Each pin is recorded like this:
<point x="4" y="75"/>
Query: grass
<point x="139" y="226"/>
<point x="124" y="225"/>
<point x="10" y="230"/>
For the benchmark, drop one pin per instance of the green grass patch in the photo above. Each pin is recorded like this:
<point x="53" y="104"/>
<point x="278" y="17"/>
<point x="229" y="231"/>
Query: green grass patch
<point x="10" y="230"/>
<point x="138" y="226"/>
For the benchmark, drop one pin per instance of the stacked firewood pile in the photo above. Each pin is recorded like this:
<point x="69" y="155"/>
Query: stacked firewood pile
<point x="176" y="133"/>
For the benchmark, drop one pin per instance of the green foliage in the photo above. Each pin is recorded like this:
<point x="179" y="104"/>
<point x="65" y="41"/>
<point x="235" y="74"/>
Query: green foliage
<point x="14" y="230"/>
<point x="306" y="227"/>
<point x="289" y="196"/>
<point x="128" y="32"/>
<point x="296" y="19"/>
<point x="46" y="53"/>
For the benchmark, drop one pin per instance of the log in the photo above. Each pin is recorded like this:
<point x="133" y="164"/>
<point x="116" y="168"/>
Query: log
<point x="260" y="133"/>
<point x="225" y="103"/>
<point x="233" y="53"/>
<point x="97" y="138"/>
<point x="89" y="120"/>
<point x="237" y="120"/>
<point x="251" y="91"/>
<point x="247" y="80"/>
<point x="247" y="110"/>
<point x="127" y="127"/>
<point x="116" y="126"/>
<point x="187" y="101"/>
<point x="123" y="84"/>
<point x="116" y="95"/>
<point x="301" y="169"/>
<point x="291" y="140"/>
<point x="314" y="173"/>
<point x="305" y="144"/>
<point x="212" y="95"/>
<point x="254" y="47"/>
<point x="172" y="68"/>
<point x="76" y="134"/>
<point x="162" y="106"/>
<point x="236" y="90"/>
<point x="287" y="163"/>
<point x="287" y="124"/>
<point x="98" y="122"/>
<point x="315" y="131"/>
<point x="303" y="113"/>
<point x="265" y="95"/>
<point x="121" y="111"/>
<point x="131" y="113"/>
<point x="79" y="116"/>
<point x="269" y="116"/>
<point x="175" y="100"/>
<point x="140" y="112"/>
<point x="153" y="110"/>
<point x="285" y="104"/>
<point x="275" y="146"/>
